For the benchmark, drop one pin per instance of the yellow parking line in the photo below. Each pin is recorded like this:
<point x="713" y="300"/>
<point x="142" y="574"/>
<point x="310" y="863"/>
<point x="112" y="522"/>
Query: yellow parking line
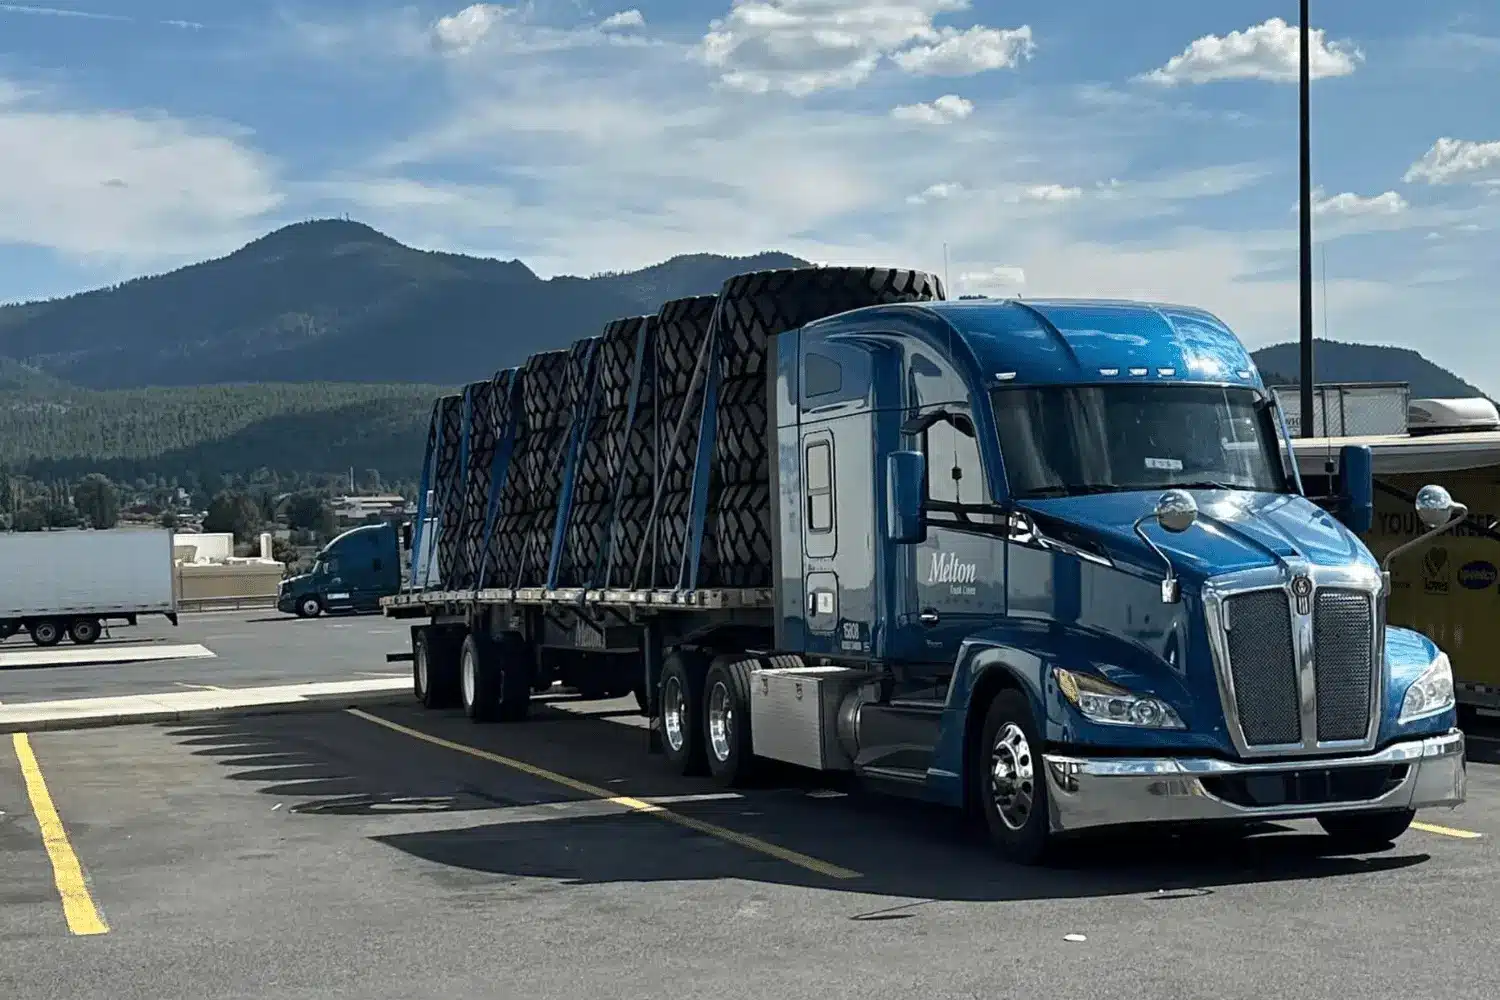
<point x="634" y="805"/>
<point x="78" y="906"/>
<point x="1446" y="831"/>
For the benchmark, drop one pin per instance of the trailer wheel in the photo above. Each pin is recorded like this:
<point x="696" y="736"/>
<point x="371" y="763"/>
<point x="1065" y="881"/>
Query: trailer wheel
<point x="680" y="712"/>
<point x="1010" y="783"/>
<point x="726" y="721"/>
<point x="46" y="632"/>
<point x="434" y="665"/>
<point x="83" y="630"/>
<point x="495" y="682"/>
<point x="1365" y="832"/>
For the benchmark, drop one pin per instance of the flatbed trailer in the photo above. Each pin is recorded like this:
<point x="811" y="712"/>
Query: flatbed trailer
<point x="974" y="553"/>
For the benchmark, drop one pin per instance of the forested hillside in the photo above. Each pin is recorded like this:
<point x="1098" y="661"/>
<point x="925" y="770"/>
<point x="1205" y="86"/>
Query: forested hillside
<point x="224" y="429"/>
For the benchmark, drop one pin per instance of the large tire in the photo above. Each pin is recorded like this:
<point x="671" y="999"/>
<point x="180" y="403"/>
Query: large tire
<point x="495" y="682"/>
<point x="309" y="606"/>
<point x="435" y="665"/>
<point x="1365" y="832"/>
<point x="679" y="712"/>
<point x="1016" y="808"/>
<point x="728" y="748"/>
<point x="46" y="632"/>
<point x="83" y="631"/>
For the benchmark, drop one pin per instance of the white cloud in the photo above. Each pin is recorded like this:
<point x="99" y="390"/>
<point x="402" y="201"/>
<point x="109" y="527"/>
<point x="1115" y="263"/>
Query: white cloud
<point x="631" y="18"/>
<point x="945" y="110"/>
<point x="1268" y="51"/>
<point x="800" y="47"/>
<point x="1352" y="205"/>
<point x="963" y="53"/>
<point x="1451" y="161"/>
<point x="122" y="186"/>
<point x="462" y="31"/>
<point x="936" y="192"/>
<point x="1051" y="193"/>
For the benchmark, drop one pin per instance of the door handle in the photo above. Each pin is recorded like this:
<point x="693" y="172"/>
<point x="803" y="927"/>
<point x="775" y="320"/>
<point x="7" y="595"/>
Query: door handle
<point x="928" y="617"/>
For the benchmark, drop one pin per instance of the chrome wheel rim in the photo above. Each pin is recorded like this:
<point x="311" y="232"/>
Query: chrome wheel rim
<point x="309" y="607"/>
<point x="468" y="677"/>
<point x="720" y="721"/>
<point x="674" y="714"/>
<point x="422" y="669"/>
<point x="1012" y="776"/>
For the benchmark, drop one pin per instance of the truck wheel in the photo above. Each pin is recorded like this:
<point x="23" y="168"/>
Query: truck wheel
<point x="495" y="684"/>
<point x="1010" y="786"/>
<point x="726" y="721"/>
<point x="434" y="668"/>
<point x="83" y="630"/>
<point x="309" y="606"/>
<point x="1364" y="832"/>
<point x="481" y="700"/>
<point x="680" y="713"/>
<point x="46" y="632"/>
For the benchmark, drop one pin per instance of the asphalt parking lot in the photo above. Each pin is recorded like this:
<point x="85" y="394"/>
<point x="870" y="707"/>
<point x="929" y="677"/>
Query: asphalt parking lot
<point x="251" y="648"/>
<point x="395" y="853"/>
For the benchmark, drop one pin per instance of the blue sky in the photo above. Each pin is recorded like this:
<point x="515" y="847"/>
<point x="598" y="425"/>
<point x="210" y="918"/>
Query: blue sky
<point x="1086" y="148"/>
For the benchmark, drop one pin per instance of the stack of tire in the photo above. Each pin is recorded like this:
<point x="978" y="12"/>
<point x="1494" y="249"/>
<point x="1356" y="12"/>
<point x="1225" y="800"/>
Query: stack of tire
<point x="682" y="333"/>
<point x="553" y="382"/>
<point x="447" y="481"/>
<point x="613" y="477"/>
<point x="510" y="527"/>
<point x="488" y="405"/>
<point x="753" y="309"/>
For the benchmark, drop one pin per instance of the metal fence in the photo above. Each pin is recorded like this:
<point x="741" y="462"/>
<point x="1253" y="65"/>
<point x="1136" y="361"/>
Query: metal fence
<point x="1349" y="409"/>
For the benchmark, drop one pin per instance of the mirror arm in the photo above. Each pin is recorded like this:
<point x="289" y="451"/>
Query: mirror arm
<point x="1171" y="587"/>
<point x="1460" y="511"/>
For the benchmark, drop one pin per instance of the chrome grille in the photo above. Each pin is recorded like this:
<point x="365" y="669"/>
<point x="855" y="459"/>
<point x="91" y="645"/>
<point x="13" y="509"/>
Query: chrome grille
<point x="1344" y="659"/>
<point x="1263" y="667"/>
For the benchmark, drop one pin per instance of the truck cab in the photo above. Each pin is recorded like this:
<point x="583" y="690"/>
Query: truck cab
<point x="1073" y="537"/>
<point x="351" y="573"/>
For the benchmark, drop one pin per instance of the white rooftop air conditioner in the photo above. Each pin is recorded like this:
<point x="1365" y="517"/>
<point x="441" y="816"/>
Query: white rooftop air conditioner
<point x="1447" y="416"/>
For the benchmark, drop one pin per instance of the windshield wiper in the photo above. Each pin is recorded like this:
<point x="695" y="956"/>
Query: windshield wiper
<point x="1208" y="484"/>
<point x="1072" y="490"/>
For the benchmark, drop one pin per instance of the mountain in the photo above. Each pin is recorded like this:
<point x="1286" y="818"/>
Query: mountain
<point x="1335" y="361"/>
<point x="332" y="300"/>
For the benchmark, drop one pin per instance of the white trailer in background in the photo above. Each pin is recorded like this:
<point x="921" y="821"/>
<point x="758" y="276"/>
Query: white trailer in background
<point x="57" y="583"/>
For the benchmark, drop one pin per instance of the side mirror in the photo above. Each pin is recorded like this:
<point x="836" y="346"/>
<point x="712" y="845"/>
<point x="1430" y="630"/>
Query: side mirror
<point x="1434" y="506"/>
<point x="1357" y="488"/>
<point x="1438" y="512"/>
<point x="905" y="472"/>
<point x="1176" y="511"/>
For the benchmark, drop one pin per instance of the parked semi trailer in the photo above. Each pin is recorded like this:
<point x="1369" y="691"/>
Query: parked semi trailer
<point x="1050" y="561"/>
<point x="71" y="583"/>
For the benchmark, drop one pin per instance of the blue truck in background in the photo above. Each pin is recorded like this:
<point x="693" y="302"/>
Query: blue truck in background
<point x="1050" y="562"/>
<point x="350" y="574"/>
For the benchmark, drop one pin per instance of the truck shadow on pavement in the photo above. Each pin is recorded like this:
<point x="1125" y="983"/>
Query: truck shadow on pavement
<point x="479" y="817"/>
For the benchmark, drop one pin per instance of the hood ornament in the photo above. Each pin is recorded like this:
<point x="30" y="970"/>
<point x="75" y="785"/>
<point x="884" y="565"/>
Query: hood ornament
<point x="1175" y="512"/>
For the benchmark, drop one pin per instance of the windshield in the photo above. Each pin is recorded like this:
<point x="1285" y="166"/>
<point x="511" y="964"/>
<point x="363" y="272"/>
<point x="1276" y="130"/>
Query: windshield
<point x="1062" y="440"/>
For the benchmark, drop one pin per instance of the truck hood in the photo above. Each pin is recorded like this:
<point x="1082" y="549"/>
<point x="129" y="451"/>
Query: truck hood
<point x="1236" y="530"/>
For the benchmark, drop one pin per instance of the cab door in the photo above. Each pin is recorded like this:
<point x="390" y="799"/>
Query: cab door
<point x="960" y="574"/>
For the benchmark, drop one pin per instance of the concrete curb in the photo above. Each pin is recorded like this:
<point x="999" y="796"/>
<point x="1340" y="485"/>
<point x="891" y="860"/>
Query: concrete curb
<point x="310" y="703"/>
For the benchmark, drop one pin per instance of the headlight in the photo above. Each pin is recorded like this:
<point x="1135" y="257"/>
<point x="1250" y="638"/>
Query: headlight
<point x="1430" y="694"/>
<point x="1111" y="705"/>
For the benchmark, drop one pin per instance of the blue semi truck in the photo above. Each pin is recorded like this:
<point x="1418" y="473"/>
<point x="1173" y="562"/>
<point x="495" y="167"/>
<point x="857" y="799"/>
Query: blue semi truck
<point x="1051" y="562"/>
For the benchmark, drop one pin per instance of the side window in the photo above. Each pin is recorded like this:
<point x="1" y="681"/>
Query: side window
<point x="333" y="565"/>
<point x="821" y="375"/>
<point x="819" y="487"/>
<point x="954" y="471"/>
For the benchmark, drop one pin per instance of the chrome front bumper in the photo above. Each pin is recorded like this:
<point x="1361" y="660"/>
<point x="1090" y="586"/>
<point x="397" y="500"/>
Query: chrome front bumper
<point x="1087" y="792"/>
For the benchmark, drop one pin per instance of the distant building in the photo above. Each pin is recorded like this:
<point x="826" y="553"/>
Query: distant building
<point x="357" y="508"/>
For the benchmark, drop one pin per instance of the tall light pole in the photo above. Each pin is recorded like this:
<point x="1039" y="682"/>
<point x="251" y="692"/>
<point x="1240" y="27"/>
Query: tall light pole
<point x="1306" y="379"/>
